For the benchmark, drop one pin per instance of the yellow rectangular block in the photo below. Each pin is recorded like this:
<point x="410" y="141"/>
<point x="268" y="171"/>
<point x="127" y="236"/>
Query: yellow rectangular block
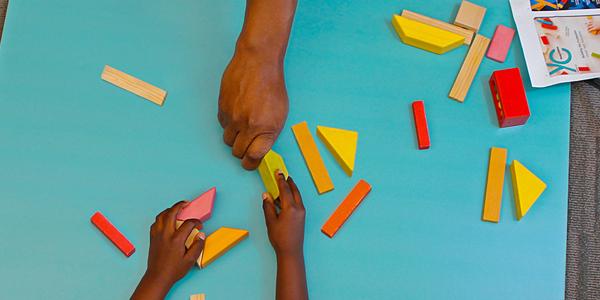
<point x="469" y="68"/>
<point x="495" y="183"/>
<point x="466" y="33"/>
<point x="425" y="36"/>
<point x="220" y="242"/>
<point x="470" y="16"/>
<point x="269" y="164"/>
<point x="134" y="85"/>
<point x="313" y="159"/>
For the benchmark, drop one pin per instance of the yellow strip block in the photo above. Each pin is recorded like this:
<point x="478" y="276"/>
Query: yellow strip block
<point x="220" y="242"/>
<point x="469" y="68"/>
<point x="271" y="163"/>
<point x="527" y="188"/>
<point x="342" y="144"/>
<point x="134" y="85"/>
<point x="495" y="183"/>
<point x="313" y="159"/>
<point x="466" y="33"/>
<point x="425" y="36"/>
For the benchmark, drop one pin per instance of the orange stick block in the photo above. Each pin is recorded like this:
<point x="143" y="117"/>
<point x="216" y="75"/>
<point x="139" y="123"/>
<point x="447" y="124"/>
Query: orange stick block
<point x="313" y="159"/>
<point x="495" y="183"/>
<point x="346" y="208"/>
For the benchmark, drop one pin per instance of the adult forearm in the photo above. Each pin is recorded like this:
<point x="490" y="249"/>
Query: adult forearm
<point x="267" y="27"/>
<point x="291" y="278"/>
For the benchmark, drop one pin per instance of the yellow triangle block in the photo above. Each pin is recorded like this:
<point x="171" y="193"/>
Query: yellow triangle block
<point x="342" y="144"/>
<point x="527" y="188"/>
<point x="271" y="163"/>
<point x="220" y="242"/>
<point x="425" y="36"/>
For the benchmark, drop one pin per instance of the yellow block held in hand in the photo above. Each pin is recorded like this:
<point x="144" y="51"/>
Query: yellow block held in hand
<point x="425" y="36"/>
<point x="271" y="163"/>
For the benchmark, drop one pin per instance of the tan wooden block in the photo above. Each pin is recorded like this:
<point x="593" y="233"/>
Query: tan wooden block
<point x="466" y="33"/>
<point x="469" y="68"/>
<point x="134" y="85"/>
<point x="470" y="16"/>
<point x="197" y="297"/>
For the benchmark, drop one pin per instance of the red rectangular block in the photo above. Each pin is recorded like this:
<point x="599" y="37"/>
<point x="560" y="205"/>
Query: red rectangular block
<point x="113" y="234"/>
<point x="421" y="124"/>
<point x="509" y="97"/>
<point x="346" y="208"/>
<point x="500" y="44"/>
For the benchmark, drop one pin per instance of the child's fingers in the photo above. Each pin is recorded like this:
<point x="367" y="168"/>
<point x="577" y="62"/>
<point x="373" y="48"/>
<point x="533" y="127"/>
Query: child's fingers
<point x="295" y="192"/>
<point x="285" y="194"/>
<point x="196" y="248"/>
<point x="185" y="229"/>
<point x="269" y="209"/>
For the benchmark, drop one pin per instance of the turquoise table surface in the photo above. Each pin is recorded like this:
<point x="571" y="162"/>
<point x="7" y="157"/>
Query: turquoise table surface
<point x="71" y="144"/>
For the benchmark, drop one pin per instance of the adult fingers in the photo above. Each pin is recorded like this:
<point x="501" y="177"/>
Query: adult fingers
<point x="257" y="149"/>
<point x="285" y="194"/>
<point x="242" y="141"/>
<point x="295" y="192"/>
<point x="269" y="209"/>
<point x="196" y="248"/>
<point x="229" y="135"/>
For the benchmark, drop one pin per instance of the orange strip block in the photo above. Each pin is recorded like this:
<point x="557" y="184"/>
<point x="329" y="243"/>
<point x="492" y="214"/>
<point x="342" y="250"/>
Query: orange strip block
<point x="495" y="183"/>
<point x="346" y="208"/>
<point x="313" y="159"/>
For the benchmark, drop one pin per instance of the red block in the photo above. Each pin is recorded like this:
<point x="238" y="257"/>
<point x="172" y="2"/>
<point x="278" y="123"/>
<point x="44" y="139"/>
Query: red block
<point x="509" y="96"/>
<point x="421" y="124"/>
<point x="113" y="234"/>
<point x="500" y="44"/>
<point x="551" y="27"/>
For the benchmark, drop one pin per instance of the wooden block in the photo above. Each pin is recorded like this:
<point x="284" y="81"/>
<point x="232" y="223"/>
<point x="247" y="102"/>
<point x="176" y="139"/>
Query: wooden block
<point x="527" y="188"/>
<point x="342" y="144"/>
<point x="134" y="85"/>
<point x="492" y="202"/>
<point x="192" y="236"/>
<point x="200" y="208"/>
<point x="466" y="33"/>
<point x="469" y="68"/>
<point x="197" y="297"/>
<point x="269" y="164"/>
<point x="421" y="124"/>
<point x="220" y="242"/>
<point x="510" y="100"/>
<point x="425" y="36"/>
<point x="113" y="234"/>
<point x="500" y="44"/>
<point x="470" y="16"/>
<point x="313" y="159"/>
<point x="346" y="208"/>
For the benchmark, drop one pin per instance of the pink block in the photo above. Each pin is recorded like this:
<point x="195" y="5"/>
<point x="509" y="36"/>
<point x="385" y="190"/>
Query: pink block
<point x="500" y="43"/>
<point x="199" y="209"/>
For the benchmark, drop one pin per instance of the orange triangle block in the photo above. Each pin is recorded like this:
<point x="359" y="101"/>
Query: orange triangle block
<point x="342" y="144"/>
<point x="527" y="188"/>
<point x="220" y="242"/>
<point x="199" y="209"/>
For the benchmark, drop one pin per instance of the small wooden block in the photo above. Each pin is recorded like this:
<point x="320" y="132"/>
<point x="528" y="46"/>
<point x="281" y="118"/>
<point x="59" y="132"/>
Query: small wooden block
<point x="113" y="234"/>
<point x="469" y="68"/>
<point x="527" y="188"/>
<point x="191" y="237"/>
<point x="492" y="203"/>
<point x="342" y="144"/>
<point x="500" y="44"/>
<point x="220" y="242"/>
<point x="425" y="36"/>
<point x="466" y="33"/>
<point x="197" y="297"/>
<point x="269" y="164"/>
<point x="470" y="16"/>
<point x="313" y="159"/>
<point x="199" y="209"/>
<point x="134" y="85"/>
<point x="421" y="124"/>
<point x="510" y="99"/>
<point x="346" y="208"/>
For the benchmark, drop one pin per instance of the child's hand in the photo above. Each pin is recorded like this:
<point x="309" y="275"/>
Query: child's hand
<point x="593" y="24"/>
<point x="286" y="227"/>
<point x="168" y="259"/>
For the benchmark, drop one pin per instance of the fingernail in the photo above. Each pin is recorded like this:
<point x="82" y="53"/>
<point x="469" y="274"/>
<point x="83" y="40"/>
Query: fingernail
<point x="201" y="236"/>
<point x="265" y="196"/>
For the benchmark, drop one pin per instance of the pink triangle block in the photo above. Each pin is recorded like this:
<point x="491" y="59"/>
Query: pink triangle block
<point x="199" y="209"/>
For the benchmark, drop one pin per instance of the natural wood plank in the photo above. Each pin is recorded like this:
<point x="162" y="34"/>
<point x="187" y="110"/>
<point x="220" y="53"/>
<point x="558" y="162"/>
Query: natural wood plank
<point x="466" y="33"/>
<point x="197" y="297"/>
<point x="469" y="68"/>
<point x="134" y="85"/>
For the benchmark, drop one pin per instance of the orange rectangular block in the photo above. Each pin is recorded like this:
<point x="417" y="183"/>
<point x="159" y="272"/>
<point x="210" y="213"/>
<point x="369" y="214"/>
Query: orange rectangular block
<point x="495" y="183"/>
<point x="346" y="208"/>
<point x="313" y="159"/>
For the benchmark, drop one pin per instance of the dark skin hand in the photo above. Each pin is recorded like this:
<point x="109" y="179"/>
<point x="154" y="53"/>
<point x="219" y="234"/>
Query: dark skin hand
<point x="285" y="226"/>
<point x="168" y="258"/>
<point x="253" y="102"/>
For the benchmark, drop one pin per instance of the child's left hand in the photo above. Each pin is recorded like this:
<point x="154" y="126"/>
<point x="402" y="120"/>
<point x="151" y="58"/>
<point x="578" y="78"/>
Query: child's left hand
<point x="168" y="258"/>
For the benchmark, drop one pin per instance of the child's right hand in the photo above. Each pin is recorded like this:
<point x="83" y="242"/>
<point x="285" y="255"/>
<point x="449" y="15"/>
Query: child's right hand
<point x="286" y="227"/>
